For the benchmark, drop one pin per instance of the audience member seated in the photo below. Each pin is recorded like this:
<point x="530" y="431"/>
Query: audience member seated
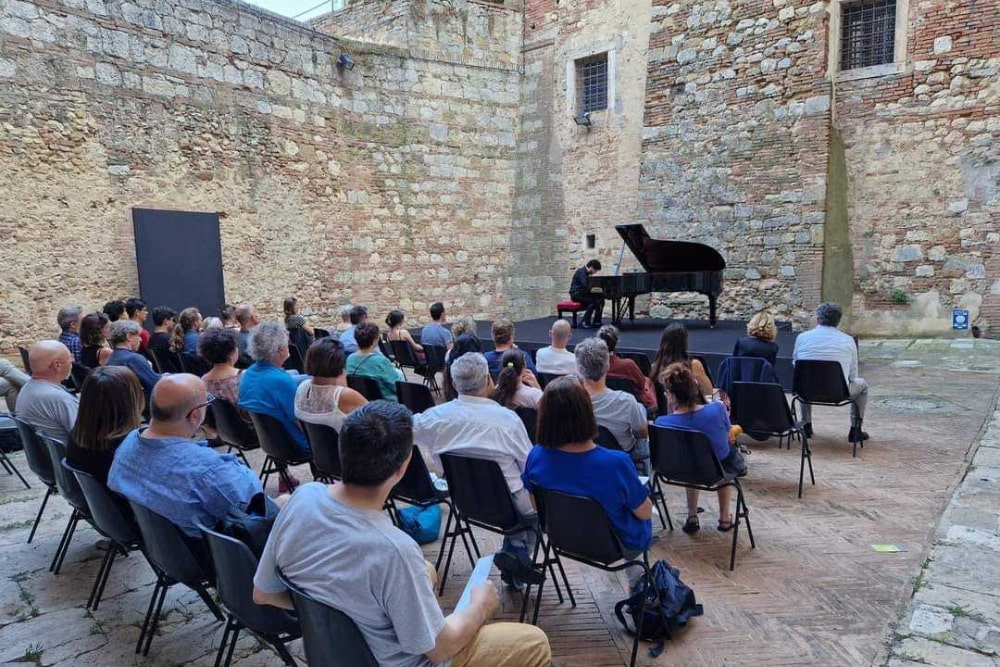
<point x="556" y="358"/>
<point x="394" y="320"/>
<point x="186" y="332"/>
<point x="11" y="381"/>
<point x="828" y="343"/>
<point x="626" y="369"/>
<point x="212" y="323"/>
<point x="673" y="349"/>
<point x="617" y="411"/>
<point x="759" y="341"/>
<point x="367" y="362"/>
<point x="325" y="397"/>
<point x="265" y="387"/>
<point x="68" y="319"/>
<point x="435" y="333"/>
<point x="43" y="402"/>
<point x="163" y="327"/>
<point x="125" y="339"/>
<point x="136" y="311"/>
<point x="474" y="425"/>
<point x="515" y="387"/>
<point x="359" y="314"/>
<point x="248" y="318"/>
<point x="94" y="329"/>
<point x="376" y="574"/>
<point x="115" y="310"/>
<point x="300" y="333"/>
<point x="164" y="470"/>
<point x="467" y="342"/>
<point x="567" y="460"/>
<point x="218" y="347"/>
<point x="227" y="313"/>
<point x="503" y="340"/>
<point x="111" y="405"/>
<point x="464" y="325"/>
<point x="345" y="320"/>
<point x="691" y="413"/>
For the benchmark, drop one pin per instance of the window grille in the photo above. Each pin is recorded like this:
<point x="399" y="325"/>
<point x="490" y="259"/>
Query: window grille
<point x="868" y="34"/>
<point x="592" y="83"/>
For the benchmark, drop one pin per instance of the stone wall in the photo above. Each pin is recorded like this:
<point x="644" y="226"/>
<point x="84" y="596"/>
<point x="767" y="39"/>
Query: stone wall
<point x="923" y="160"/>
<point x="390" y="184"/>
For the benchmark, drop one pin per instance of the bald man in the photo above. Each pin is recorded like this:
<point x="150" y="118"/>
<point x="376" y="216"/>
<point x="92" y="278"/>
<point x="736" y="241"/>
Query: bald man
<point x="184" y="480"/>
<point x="43" y="402"/>
<point x="556" y="358"/>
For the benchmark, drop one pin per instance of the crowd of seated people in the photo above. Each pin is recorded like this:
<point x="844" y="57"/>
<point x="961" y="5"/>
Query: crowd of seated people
<point x="516" y="386"/>
<point x="125" y="340"/>
<point x="394" y="320"/>
<point x="370" y="363"/>
<point x="94" y="329"/>
<point x="503" y="340"/>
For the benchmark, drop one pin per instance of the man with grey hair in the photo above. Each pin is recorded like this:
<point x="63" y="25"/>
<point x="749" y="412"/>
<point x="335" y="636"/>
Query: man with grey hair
<point x="248" y="318"/>
<point x="125" y="338"/>
<point x="617" y="411"/>
<point x="68" y="319"/>
<point x="474" y="425"/>
<point x="828" y="343"/>
<point x="265" y="387"/>
<point x="556" y="358"/>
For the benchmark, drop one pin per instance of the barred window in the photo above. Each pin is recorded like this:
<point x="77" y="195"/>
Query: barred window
<point x="592" y="83"/>
<point x="868" y="33"/>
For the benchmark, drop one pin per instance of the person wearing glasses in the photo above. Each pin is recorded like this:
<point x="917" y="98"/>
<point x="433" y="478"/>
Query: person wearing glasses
<point x="161" y="468"/>
<point x="125" y="339"/>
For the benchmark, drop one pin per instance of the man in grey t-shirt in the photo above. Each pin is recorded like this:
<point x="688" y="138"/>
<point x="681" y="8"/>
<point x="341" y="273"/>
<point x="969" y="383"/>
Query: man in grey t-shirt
<point x="373" y="572"/>
<point x="43" y="402"/>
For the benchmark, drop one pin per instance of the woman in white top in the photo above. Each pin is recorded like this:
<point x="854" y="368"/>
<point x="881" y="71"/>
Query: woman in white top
<point x="516" y="385"/>
<point x="325" y="397"/>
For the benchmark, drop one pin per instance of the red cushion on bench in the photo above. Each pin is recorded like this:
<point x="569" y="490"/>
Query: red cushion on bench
<point x="571" y="306"/>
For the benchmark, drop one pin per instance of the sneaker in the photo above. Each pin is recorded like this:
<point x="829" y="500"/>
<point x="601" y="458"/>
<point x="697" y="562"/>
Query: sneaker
<point x="517" y="573"/>
<point x="856" y="435"/>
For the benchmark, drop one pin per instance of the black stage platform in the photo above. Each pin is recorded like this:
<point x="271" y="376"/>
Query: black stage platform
<point x="644" y="336"/>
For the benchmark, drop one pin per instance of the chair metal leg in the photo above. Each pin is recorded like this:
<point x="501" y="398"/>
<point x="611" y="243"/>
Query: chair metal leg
<point x="451" y="551"/>
<point x="63" y="547"/>
<point x="806" y="454"/>
<point x="569" y="590"/>
<point x="232" y="642"/>
<point x="224" y="644"/>
<point x="741" y="499"/>
<point x="286" y="657"/>
<point x="266" y="470"/>
<point x="527" y="589"/>
<point x="11" y="468"/>
<point x="154" y="621"/>
<point x="209" y="602"/>
<point x="444" y="540"/>
<point x="656" y="492"/>
<point x="38" y="517"/>
<point x="149" y="613"/>
<point x="102" y="577"/>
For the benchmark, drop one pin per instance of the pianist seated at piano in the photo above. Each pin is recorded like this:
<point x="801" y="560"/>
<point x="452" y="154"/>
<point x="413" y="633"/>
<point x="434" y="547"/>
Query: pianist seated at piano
<point x="592" y="298"/>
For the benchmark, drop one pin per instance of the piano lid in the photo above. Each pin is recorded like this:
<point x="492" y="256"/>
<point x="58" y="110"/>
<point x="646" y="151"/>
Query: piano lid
<point x="658" y="256"/>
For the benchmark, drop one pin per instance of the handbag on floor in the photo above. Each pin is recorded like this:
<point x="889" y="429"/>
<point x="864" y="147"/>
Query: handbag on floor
<point x="676" y="604"/>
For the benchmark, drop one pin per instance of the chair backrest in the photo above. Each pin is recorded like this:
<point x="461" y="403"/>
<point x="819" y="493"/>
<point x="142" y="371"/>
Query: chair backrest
<point x="329" y="636"/>
<point x="545" y="378"/>
<point x="577" y="525"/>
<point x="385" y="349"/>
<point x="403" y="353"/>
<point x="78" y="375"/>
<point x="192" y="363"/>
<point x="325" y="444"/>
<point x="817" y="381"/>
<point x="235" y="566"/>
<point x="479" y="491"/>
<point x="366" y="386"/>
<point x="295" y="361"/>
<point x="743" y="369"/>
<point x="105" y="509"/>
<point x="321" y="333"/>
<point x="640" y="359"/>
<point x="416" y="397"/>
<point x="661" y="398"/>
<point x="681" y="455"/>
<point x="620" y="384"/>
<point x="529" y="416"/>
<point x="24" y="359"/>
<point x="66" y="482"/>
<point x="166" y="547"/>
<point x="761" y="407"/>
<point x="274" y="438"/>
<point x="166" y="361"/>
<point x="415" y="487"/>
<point x="36" y="453"/>
<point x="230" y="426"/>
<point x="607" y="439"/>
<point x="434" y="355"/>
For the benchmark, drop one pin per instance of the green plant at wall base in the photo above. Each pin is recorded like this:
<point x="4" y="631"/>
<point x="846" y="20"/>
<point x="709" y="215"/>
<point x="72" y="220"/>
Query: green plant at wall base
<point x="899" y="296"/>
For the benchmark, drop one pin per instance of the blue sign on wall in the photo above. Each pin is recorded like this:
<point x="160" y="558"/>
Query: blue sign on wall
<point x="960" y="319"/>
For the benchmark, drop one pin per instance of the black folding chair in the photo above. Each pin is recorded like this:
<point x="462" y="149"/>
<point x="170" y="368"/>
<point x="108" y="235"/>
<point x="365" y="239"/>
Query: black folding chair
<point x="685" y="458"/>
<point x="24" y="359"/>
<point x="607" y="439"/>
<point x="743" y="369"/>
<point x="170" y="555"/>
<point x="761" y="408"/>
<point x="435" y="357"/>
<point x="818" y="382"/>
<point x="481" y="498"/>
<point x="545" y="378"/>
<point x="235" y="566"/>
<point x="640" y="359"/>
<point x="193" y="364"/>
<point x="404" y="355"/>
<point x="329" y="636"/>
<point x="416" y="397"/>
<point x="110" y="520"/>
<point x="383" y="347"/>
<point x="529" y="416"/>
<point x="295" y="360"/>
<point x="579" y="529"/>
<point x="366" y="386"/>
<point x="166" y="361"/>
<point x="662" y="406"/>
<point x="232" y="429"/>
<point x="281" y="448"/>
<point x="321" y="333"/>
<point x="620" y="384"/>
<point x="70" y="490"/>
<point x="11" y="469"/>
<point x="324" y="442"/>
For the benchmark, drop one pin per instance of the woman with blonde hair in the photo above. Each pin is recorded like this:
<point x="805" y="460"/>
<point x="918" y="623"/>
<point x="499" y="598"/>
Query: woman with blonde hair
<point x="759" y="341"/>
<point x="186" y="332"/>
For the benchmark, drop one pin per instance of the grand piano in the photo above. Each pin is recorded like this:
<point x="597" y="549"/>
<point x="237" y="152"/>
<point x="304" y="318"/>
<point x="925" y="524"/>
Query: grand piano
<point x="670" y="266"/>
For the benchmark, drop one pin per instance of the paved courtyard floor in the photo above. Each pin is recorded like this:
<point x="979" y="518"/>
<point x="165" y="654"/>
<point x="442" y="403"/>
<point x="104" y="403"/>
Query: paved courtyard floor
<point x="813" y="592"/>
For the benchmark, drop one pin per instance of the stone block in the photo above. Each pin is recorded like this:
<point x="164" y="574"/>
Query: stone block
<point x="942" y="44"/>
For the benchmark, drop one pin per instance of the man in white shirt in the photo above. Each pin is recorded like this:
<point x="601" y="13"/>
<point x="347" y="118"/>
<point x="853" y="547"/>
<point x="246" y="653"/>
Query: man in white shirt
<point x="828" y="343"/>
<point x="556" y="358"/>
<point x="474" y="425"/>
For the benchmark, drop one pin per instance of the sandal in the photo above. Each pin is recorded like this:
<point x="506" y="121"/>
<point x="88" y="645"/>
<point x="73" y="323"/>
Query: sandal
<point x="692" y="525"/>
<point x="726" y="526"/>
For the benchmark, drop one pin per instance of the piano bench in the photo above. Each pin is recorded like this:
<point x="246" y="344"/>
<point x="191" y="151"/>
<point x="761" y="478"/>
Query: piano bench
<point x="569" y="307"/>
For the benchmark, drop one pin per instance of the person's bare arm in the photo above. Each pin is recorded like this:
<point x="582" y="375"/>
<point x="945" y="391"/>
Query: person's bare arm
<point x="528" y="378"/>
<point x="645" y="510"/>
<point x="409" y="339"/>
<point x="704" y="384"/>
<point x="281" y="600"/>
<point x="461" y="627"/>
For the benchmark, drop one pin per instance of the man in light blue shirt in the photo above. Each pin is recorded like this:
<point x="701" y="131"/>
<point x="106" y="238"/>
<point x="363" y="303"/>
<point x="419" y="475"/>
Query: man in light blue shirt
<point x="435" y="333"/>
<point x="183" y="480"/>
<point x="359" y="314"/>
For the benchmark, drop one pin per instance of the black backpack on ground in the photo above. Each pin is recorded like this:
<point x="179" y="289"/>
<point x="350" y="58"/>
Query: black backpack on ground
<point x="676" y="605"/>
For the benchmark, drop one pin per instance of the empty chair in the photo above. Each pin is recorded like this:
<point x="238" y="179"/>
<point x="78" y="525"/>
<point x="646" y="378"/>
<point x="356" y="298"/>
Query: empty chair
<point x="329" y="636"/>
<point x="366" y="386"/>
<point x="281" y="448"/>
<point x="685" y="458"/>
<point x="761" y="408"/>
<point x="11" y="469"/>
<point x="529" y="417"/>
<point x="435" y="357"/>
<point x="744" y="369"/>
<point x="325" y="444"/>
<point x="170" y="555"/>
<point x="818" y="382"/>
<point x="69" y="489"/>
<point x="232" y="429"/>
<point x="416" y="397"/>
<point x="235" y="566"/>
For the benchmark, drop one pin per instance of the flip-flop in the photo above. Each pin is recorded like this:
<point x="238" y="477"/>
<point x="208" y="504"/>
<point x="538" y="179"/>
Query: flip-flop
<point x="692" y="525"/>
<point x="726" y="526"/>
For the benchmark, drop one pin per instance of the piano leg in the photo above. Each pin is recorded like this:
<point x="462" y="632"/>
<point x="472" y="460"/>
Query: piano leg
<point x="711" y="310"/>
<point x="631" y="309"/>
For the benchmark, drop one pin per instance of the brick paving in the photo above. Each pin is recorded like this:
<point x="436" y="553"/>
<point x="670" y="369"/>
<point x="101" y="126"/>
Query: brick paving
<point x="813" y="592"/>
